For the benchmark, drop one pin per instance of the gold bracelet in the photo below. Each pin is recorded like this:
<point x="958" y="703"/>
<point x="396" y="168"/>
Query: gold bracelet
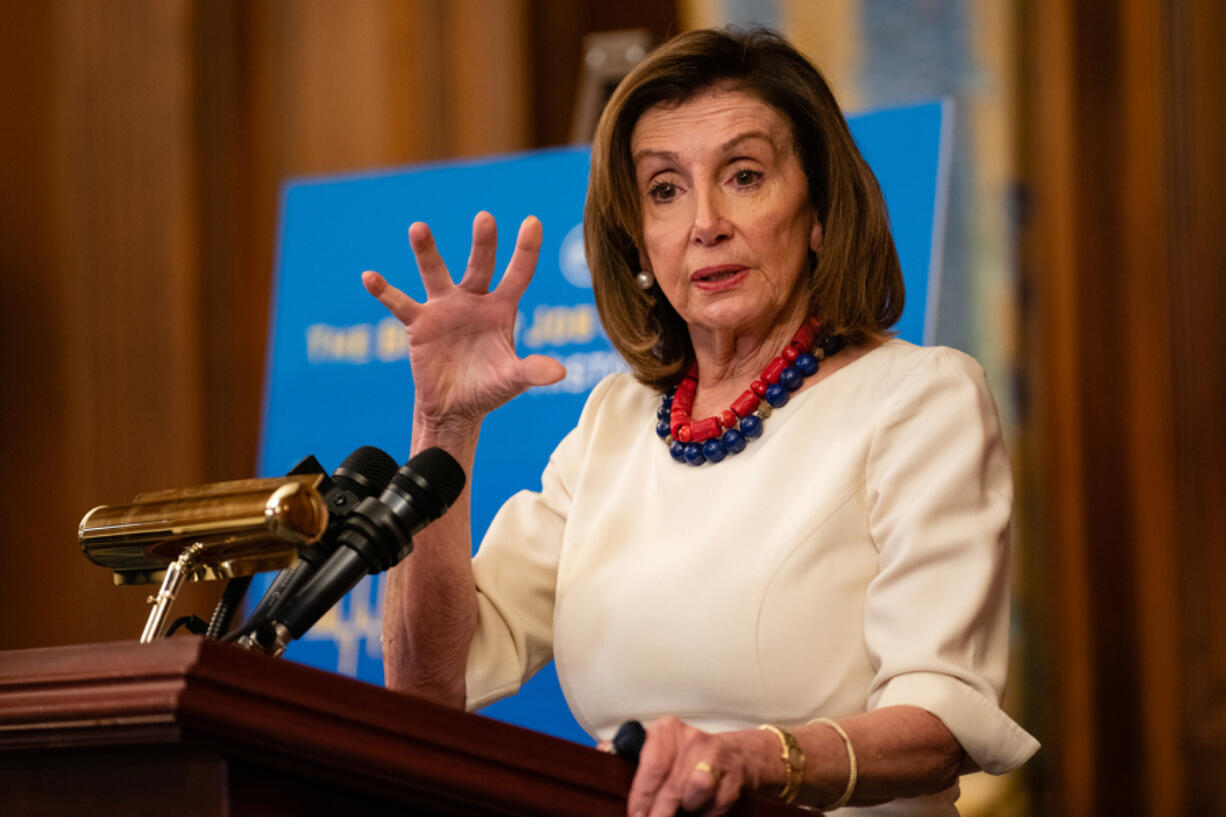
<point x="851" y="762"/>
<point x="793" y="758"/>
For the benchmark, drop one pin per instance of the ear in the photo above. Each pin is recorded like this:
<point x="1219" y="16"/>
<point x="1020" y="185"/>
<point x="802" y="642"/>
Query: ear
<point x="815" y="236"/>
<point x="644" y="263"/>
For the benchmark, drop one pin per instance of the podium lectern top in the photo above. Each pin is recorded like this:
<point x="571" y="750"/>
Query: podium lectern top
<point x="207" y="728"/>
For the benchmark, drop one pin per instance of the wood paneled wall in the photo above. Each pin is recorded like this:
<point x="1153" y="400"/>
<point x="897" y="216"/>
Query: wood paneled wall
<point x="143" y="144"/>
<point x="102" y="382"/>
<point x="1123" y="255"/>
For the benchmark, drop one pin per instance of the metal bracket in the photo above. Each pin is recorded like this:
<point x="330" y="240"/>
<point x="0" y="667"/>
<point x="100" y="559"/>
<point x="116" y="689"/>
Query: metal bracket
<point x="176" y="574"/>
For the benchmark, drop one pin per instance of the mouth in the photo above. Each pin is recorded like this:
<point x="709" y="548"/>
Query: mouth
<point x="718" y="277"/>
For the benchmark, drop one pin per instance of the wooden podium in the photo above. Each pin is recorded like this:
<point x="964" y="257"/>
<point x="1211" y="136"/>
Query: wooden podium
<point x="190" y="727"/>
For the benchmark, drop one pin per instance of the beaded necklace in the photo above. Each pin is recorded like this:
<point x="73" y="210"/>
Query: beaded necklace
<point x="697" y="441"/>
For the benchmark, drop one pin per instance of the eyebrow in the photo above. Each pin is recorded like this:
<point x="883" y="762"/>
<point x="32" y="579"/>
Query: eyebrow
<point x="725" y="148"/>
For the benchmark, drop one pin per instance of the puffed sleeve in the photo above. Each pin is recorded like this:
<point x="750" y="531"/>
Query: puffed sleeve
<point x="937" y="614"/>
<point x="515" y="571"/>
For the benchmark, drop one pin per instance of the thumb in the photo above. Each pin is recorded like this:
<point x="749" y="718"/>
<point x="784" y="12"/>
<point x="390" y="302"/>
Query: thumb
<point x="539" y="370"/>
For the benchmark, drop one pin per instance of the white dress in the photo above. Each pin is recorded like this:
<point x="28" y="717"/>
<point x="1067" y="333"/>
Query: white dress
<point x="853" y="557"/>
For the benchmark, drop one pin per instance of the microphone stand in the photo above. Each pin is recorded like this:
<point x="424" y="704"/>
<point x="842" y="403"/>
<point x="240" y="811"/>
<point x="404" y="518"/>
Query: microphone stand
<point x="231" y="599"/>
<point x="176" y="574"/>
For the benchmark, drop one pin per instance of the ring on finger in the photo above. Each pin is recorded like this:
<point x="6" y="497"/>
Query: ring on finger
<point x="704" y="766"/>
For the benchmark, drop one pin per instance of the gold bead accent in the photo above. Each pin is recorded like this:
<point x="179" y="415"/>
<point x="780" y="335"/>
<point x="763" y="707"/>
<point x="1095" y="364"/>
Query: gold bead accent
<point x="764" y="410"/>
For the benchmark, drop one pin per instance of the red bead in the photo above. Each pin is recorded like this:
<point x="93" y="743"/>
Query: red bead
<point x="771" y="373"/>
<point x="703" y="430"/>
<point x="748" y="407"/>
<point x="746" y="404"/>
<point x="807" y="334"/>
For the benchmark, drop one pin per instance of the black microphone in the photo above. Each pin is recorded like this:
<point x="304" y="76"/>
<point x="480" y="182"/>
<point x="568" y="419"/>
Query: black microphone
<point x="364" y="473"/>
<point x="236" y="589"/>
<point x="629" y="740"/>
<point x="377" y="534"/>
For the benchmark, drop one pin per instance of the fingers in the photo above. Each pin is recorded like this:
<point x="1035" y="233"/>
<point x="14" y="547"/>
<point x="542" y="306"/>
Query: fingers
<point x="523" y="260"/>
<point x="655" y="763"/>
<point x="538" y="370"/>
<point x="728" y="790"/>
<point x="699" y="783"/>
<point x="702" y="770"/>
<point x="429" y="263"/>
<point x="399" y="304"/>
<point x="684" y="768"/>
<point x="481" y="259"/>
<point x="483" y="255"/>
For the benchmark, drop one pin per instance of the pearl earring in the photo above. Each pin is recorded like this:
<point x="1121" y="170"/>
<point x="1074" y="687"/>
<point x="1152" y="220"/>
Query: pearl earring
<point x="645" y="279"/>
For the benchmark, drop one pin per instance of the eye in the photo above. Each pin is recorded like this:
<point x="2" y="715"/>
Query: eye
<point x="745" y="177"/>
<point x="662" y="192"/>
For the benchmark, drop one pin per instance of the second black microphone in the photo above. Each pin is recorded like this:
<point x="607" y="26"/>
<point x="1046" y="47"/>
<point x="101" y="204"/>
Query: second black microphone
<point x="377" y="534"/>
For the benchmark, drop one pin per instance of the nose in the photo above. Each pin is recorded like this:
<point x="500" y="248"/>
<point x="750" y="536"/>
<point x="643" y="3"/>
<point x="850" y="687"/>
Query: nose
<point x="710" y="226"/>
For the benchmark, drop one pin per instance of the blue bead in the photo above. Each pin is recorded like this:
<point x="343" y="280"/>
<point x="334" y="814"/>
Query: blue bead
<point x="807" y="364"/>
<point x="662" y="412"/>
<point x="677" y="450"/>
<point x="693" y="454"/>
<point x="734" y="441"/>
<point x="668" y="401"/>
<point x="714" y="450"/>
<point x="790" y="378"/>
<point x="832" y="346"/>
<point x="776" y="395"/>
<point x="751" y="426"/>
<point x="663" y="428"/>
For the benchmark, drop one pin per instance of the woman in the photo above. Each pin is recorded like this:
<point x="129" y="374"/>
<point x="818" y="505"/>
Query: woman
<point x="818" y="609"/>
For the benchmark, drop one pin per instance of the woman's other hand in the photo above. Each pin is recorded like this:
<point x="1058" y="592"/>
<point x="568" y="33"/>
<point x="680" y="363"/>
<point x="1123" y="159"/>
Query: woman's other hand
<point x="685" y="768"/>
<point x="461" y="340"/>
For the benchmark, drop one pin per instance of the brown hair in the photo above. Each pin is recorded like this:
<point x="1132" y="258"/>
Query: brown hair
<point x="856" y="286"/>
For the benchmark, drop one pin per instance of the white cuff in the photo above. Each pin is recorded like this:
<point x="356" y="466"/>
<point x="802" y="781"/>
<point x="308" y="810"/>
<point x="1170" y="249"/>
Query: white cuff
<point x="990" y="737"/>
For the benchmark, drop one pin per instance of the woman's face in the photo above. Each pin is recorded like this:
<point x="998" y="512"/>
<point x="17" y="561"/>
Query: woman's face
<point x="727" y="221"/>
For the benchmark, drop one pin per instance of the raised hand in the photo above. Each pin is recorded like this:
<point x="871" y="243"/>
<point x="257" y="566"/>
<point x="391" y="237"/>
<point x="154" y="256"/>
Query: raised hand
<point x="461" y="343"/>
